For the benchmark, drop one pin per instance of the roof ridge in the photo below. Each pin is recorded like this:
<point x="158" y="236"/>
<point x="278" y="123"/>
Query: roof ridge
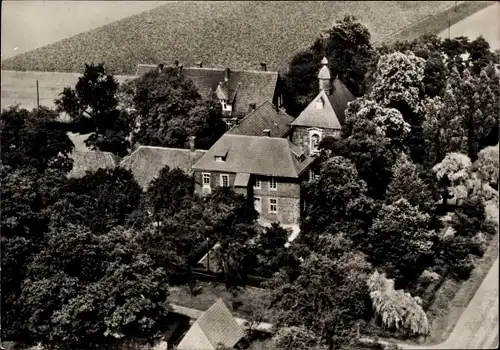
<point x="254" y="136"/>
<point x="216" y="69"/>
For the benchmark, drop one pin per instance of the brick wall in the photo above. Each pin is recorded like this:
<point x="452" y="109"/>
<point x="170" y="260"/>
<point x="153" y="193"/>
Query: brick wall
<point x="300" y="136"/>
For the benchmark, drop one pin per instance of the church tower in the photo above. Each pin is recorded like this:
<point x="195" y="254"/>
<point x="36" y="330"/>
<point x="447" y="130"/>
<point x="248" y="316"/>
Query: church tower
<point x="325" y="78"/>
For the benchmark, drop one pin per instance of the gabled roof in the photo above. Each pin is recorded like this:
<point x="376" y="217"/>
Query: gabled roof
<point x="84" y="161"/>
<point x="245" y="87"/>
<point x="266" y="116"/>
<point x="147" y="162"/>
<point x="332" y="115"/>
<point x="216" y="326"/>
<point x="268" y="156"/>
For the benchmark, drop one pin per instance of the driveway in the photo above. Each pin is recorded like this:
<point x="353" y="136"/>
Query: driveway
<point x="485" y="22"/>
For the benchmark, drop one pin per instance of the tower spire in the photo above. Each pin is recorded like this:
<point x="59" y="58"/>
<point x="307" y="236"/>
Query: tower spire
<point x="324" y="77"/>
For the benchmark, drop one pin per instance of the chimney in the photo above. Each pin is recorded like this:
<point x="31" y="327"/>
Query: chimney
<point x="160" y="67"/>
<point x="176" y="63"/>
<point x="226" y="74"/>
<point x="266" y="133"/>
<point x="192" y="140"/>
<point x="199" y="64"/>
<point x="263" y="66"/>
<point x="251" y="107"/>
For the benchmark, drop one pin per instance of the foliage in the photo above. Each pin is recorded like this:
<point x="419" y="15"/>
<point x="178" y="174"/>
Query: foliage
<point x="400" y="241"/>
<point x="395" y="308"/>
<point x="101" y="200"/>
<point x="92" y="107"/>
<point x="455" y="170"/>
<point x="487" y="165"/>
<point x="328" y="296"/>
<point x="270" y="249"/>
<point x="336" y="202"/>
<point x="398" y="84"/>
<point x="169" y="109"/>
<point x="406" y="183"/>
<point x="348" y="50"/>
<point x="372" y="139"/>
<point x="294" y="337"/>
<point x="33" y="139"/>
<point x="82" y="289"/>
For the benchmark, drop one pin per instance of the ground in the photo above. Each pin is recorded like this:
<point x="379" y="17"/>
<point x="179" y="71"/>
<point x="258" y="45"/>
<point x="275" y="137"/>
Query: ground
<point x="236" y="34"/>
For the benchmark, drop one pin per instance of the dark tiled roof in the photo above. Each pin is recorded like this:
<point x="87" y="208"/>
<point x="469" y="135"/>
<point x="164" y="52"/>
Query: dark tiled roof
<point x="147" y="162"/>
<point x="264" y="117"/>
<point x="270" y="156"/>
<point x="245" y="86"/>
<point x="332" y="115"/>
<point x="216" y="326"/>
<point x="84" y="161"/>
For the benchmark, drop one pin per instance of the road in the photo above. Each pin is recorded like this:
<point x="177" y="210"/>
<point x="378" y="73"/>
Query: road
<point x="485" y="22"/>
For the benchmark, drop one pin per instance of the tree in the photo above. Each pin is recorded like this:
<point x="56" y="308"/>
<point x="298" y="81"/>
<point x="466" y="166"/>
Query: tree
<point x="454" y="174"/>
<point x="169" y="192"/>
<point x="83" y="289"/>
<point x="169" y="109"/>
<point x="487" y="164"/>
<point x="349" y="52"/>
<point x="33" y="139"/>
<point x="92" y="106"/>
<point x="407" y="183"/>
<point x="400" y="241"/>
<point x="329" y="296"/>
<point x="102" y="199"/>
<point x="270" y="248"/>
<point x="336" y="202"/>
<point x="398" y="84"/>
<point x="395" y="308"/>
<point x="295" y="337"/>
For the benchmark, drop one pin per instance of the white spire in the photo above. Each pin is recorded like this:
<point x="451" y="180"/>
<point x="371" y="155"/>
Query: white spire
<point x="324" y="76"/>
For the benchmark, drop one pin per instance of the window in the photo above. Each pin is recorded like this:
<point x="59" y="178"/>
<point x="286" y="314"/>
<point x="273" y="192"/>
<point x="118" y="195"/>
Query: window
<point x="314" y="142"/>
<point x="319" y="104"/>
<point x="257" y="183"/>
<point x="257" y="204"/>
<point x="273" y="205"/>
<point x="229" y="124"/>
<point x="313" y="175"/>
<point x="224" y="180"/>
<point x="273" y="185"/>
<point x="224" y="105"/>
<point x="219" y="158"/>
<point x="206" y="180"/>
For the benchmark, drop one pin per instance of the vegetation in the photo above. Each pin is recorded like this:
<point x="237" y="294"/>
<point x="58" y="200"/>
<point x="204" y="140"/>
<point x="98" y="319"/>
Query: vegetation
<point x="91" y="260"/>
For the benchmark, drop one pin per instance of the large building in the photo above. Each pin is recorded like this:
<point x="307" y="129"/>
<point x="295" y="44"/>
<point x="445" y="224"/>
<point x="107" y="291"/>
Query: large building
<point x="268" y="170"/>
<point x="238" y="91"/>
<point x="325" y="114"/>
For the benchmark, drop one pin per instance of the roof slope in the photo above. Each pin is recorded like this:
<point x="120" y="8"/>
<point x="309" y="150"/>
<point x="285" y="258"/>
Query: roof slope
<point x="266" y="116"/>
<point x="147" y="162"/>
<point x="332" y="115"/>
<point x="216" y="326"/>
<point x="84" y="161"/>
<point x="251" y="86"/>
<point x="269" y="156"/>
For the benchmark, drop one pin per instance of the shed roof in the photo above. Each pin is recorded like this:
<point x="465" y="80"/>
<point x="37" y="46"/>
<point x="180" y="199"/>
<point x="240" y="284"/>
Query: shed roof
<point x="216" y="326"/>
<point x="146" y="162"/>
<point x="84" y="161"/>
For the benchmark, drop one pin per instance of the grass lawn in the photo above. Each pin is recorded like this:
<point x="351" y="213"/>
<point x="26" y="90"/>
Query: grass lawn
<point x="436" y="23"/>
<point x="236" y="34"/>
<point x="252" y="299"/>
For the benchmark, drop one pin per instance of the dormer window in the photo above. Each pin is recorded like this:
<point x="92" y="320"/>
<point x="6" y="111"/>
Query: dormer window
<point x="315" y="136"/>
<point x="220" y="155"/>
<point x="319" y="104"/>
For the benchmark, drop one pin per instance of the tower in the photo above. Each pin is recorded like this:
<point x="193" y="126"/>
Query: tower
<point x="324" y="77"/>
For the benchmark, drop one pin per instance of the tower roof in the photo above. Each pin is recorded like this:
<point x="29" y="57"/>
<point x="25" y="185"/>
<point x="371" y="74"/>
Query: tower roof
<point x="324" y="72"/>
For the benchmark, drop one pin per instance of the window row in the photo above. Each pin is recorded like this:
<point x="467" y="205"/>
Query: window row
<point x="272" y="207"/>
<point x="272" y="184"/>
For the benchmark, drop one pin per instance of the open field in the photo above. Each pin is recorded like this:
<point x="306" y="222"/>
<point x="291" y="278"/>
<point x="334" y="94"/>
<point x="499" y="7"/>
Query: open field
<point x="25" y="26"/>
<point x="221" y="34"/>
